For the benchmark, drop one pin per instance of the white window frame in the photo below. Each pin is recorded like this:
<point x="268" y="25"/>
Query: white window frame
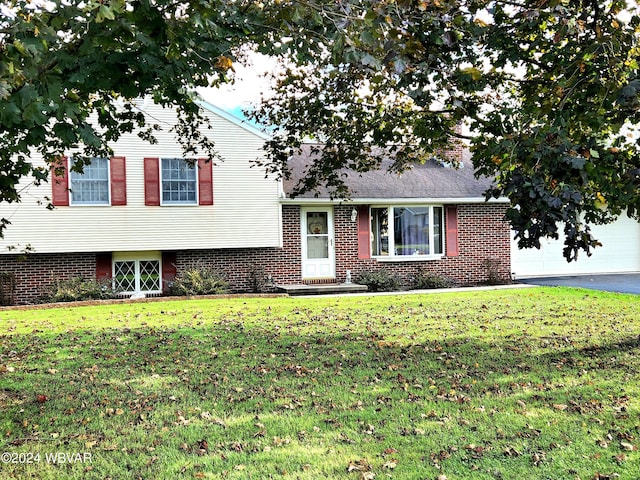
<point x="136" y="258"/>
<point x="392" y="256"/>
<point x="179" y="203"/>
<point x="72" y="173"/>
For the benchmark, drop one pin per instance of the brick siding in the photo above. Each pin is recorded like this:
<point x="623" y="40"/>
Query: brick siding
<point x="483" y="242"/>
<point x="35" y="273"/>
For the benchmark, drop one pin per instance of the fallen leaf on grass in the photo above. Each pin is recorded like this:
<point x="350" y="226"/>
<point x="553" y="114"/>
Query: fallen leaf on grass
<point x="511" y="452"/>
<point x="359" y="466"/>
<point x="390" y="464"/>
<point x="538" y="457"/>
<point x="620" y="459"/>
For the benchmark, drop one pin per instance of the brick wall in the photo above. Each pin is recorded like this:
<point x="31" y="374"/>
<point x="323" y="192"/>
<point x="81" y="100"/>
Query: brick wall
<point x="483" y="244"/>
<point x="483" y="240"/>
<point x="35" y="273"/>
<point x="482" y="237"/>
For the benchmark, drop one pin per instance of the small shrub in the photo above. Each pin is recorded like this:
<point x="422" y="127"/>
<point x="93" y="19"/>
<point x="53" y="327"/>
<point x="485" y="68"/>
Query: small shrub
<point x="379" y="280"/>
<point x="494" y="276"/>
<point x="77" y="289"/>
<point x="200" y="281"/>
<point x="428" y="280"/>
<point x="259" y="281"/>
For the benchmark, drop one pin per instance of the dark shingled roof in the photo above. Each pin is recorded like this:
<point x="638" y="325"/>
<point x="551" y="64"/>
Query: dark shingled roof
<point x="430" y="180"/>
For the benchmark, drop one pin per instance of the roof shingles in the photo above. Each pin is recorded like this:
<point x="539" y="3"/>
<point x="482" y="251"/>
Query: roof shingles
<point x="430" y="180"/>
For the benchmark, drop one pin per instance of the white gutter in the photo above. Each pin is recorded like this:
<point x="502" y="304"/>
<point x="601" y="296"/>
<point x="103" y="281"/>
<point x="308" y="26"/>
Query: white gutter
<point x="395" y="201"/>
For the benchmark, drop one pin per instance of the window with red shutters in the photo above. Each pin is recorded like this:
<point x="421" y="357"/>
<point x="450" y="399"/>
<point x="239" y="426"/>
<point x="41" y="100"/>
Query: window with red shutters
<point x="103" y="266"/>
<point x="152" y="181"/>
<point x="118" y="174"/>
<point x="169" y="270"/>
<point x="452" y="231"/>
<point x="60" y="183"/>
<point x="158" y="191"/>
<point x="364" y="237"/>
<point x="205" y="182"/>
<point x="61" y="180"/>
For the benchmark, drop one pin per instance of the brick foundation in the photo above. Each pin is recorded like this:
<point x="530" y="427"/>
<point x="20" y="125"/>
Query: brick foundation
<point x="483" y="238"/>
<point x="35" y="273"/>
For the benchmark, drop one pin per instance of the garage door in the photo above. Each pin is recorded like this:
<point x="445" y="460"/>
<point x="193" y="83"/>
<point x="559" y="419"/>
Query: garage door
<point x="620" y="252"/>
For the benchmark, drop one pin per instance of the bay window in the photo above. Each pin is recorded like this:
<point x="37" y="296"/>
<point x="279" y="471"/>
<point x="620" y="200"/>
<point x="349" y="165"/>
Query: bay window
<point x="403" y="231"/>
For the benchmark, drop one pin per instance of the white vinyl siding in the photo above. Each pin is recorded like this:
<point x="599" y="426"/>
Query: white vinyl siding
<point x="246" y="212"/>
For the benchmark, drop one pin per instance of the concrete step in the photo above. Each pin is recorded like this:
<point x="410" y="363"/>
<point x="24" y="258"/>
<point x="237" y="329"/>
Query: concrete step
<point x="322" y="288"/>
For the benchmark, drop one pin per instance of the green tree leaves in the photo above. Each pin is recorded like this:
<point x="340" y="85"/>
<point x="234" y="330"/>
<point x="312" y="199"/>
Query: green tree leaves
<point x="548" y="89"/>
<point x="62" y="62"/>
<point x="541" y="86"/>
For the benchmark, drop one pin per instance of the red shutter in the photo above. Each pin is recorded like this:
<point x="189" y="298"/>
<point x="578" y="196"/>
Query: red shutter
<point x="118" y="181"/>
<point x="60" y="182"/>
<point x="364" y="228"/>
<point x="169" y="270"/>
<point x="205" y="182"/>
<point x="452" y="231"/>
<point x="152" y="181"/>
<point x="103" y="266"/>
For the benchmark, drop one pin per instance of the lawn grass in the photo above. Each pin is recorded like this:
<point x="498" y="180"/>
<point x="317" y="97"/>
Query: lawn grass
<point x="514" y="384"/>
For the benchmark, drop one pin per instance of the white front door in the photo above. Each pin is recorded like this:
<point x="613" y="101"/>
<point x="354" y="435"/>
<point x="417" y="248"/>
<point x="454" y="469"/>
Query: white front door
<point x="318" y="253"/>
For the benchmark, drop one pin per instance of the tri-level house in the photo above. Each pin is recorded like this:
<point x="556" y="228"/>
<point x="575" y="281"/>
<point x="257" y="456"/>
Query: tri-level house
<point x="139" y="218"/>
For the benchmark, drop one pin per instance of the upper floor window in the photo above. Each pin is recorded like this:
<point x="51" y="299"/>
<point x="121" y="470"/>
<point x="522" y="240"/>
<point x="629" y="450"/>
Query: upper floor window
<point x="91" y="187"/>
<point x="102" y="182"/>
<point x="175" y="181"/>
<point x="407" y="230"/>
<point x="179" y="182"/>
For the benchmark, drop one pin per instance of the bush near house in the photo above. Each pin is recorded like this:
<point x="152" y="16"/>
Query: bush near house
<point x="200" y="280"/>
<point x="428" y="280"/>
<point x="380" y="280"/>
<point x="77" y="289"/>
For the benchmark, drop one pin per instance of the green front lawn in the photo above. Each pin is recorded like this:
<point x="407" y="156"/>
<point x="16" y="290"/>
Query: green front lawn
<point x="512" y="384"/>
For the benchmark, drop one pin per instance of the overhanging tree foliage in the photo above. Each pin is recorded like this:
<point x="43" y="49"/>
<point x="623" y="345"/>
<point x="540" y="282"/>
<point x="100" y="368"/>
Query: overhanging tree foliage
<point x="62" y="62"/>
<point x="546" y="86"/>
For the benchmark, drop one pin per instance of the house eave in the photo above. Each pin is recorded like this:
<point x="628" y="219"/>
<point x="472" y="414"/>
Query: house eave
<point x="244" y="124"/>
<point x="395" y="201"/>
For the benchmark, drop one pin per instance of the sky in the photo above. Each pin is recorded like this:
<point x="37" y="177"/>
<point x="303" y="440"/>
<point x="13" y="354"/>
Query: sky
<point x="247" y="88"/>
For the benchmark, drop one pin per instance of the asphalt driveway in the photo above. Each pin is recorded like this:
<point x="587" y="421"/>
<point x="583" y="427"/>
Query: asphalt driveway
<point x="622" y="283"/>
